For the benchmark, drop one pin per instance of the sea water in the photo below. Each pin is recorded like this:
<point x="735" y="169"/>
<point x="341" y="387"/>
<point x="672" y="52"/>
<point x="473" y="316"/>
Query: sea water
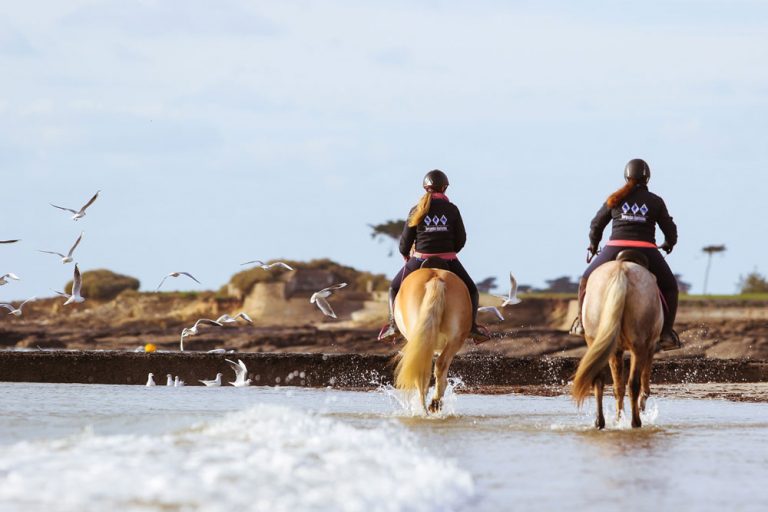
<point x="94" y="447"/>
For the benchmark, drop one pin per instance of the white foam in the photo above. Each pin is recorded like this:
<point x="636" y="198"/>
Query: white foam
<point x="407" y="404"/>
<point x="265" y="458"/>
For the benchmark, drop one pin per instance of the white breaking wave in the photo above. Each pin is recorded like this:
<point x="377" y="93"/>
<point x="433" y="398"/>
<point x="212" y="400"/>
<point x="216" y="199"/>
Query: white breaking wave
<point x="264" y="458"/>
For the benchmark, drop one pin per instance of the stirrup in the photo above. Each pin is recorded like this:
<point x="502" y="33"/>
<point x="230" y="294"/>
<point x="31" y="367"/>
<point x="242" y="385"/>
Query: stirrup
<point x="669" y="340"/>
<point x="388" y="331"/>
<point x="577" y="329"/>
<point x="479" y="334"/>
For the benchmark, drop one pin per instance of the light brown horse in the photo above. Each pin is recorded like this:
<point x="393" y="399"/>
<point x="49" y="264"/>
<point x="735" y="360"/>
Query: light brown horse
<point x="622" y="311"/>
<point x="434" y="312"/>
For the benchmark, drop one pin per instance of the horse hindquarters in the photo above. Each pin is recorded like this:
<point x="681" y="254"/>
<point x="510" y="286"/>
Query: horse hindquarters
<point x="414" y="367"/>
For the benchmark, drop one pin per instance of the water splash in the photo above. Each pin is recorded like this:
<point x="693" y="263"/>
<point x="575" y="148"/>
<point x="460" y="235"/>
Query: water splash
<point x="407" y="404"/>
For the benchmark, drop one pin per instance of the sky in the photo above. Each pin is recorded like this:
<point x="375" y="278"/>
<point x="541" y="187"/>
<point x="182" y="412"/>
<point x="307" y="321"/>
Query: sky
<point x="237" y="130"/>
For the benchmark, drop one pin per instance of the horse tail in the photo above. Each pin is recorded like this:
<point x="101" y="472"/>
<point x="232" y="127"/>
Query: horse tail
<point x="414" y="366"/>
<point x="607" y="337"/>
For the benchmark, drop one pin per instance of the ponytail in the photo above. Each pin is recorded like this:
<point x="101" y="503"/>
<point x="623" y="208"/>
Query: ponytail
<point x="421" y="210"/>
<point x="615" y="198"/>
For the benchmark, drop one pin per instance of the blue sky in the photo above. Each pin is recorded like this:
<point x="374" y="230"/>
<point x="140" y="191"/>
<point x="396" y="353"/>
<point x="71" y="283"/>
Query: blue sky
<point x="224" y="132"/>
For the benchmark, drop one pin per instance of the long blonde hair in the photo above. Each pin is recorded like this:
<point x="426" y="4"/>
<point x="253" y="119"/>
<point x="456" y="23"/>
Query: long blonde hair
<point x="421" y="210"/>
<point x="615" y="198"/>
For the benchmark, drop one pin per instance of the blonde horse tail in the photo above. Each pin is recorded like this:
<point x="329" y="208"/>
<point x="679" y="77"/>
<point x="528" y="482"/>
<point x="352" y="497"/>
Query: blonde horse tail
<point x="414" y="367"/>
<point x="606" y="339"/>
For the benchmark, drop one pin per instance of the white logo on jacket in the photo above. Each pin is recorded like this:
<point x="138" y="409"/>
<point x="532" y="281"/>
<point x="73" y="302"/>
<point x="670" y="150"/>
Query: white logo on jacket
<point x="435" y="223"/>
<point x="626" y="208"/>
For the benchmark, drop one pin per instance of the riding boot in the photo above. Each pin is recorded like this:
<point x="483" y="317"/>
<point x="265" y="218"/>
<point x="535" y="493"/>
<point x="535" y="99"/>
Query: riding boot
<point x="478" y="332"/>
<point x="577" y="329"/>
<point x="390" y="330"/>
<point x="669" y="339"/>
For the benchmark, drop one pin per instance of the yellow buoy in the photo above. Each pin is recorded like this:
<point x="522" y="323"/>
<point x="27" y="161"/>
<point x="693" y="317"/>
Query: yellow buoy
<point x="150" y="347"/>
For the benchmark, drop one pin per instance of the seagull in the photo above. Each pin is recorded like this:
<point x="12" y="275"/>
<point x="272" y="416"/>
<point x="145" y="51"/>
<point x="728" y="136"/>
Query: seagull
<point x="213" y="383"/>
<point x="241" y="372"/>
<point x="81" y="213"/>
<point x="9" y="241"/>
<point x="16" y="311"/>
<point x="510" y="299"/>
<point x="68" y="257"/>
<point x="319" y="299"/>
<point x="9" y="275"/>
<point x="192" y="331"/>
<point x="177" y="274"/>
<point x="178" y="383"/>
<point x="77" y="284"/>
<point x="150" y="380"/>
<point x="226" y="319"/>
<point x="491" y="309"/>
<point x="168" y="380"/>
<point x="267" y="266"/>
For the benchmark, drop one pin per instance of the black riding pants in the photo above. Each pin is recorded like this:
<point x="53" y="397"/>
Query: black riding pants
<point x="658" y="267"/>
<point x="454" y="266"/>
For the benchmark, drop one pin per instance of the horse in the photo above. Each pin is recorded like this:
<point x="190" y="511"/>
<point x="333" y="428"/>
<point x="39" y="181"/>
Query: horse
<point x="622" y="311"/>
<point x="433" y="311"/>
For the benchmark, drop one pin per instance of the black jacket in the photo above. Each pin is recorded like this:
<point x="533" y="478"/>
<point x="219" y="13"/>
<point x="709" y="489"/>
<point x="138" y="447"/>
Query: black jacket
<point x="635" y="218"/>
<point x="441" y="230"/>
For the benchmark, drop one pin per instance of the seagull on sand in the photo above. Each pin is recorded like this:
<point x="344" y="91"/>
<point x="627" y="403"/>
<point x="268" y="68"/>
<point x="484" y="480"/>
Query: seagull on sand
<point x="150" y="380"/>
<point x="213" y="383"/>
<point x="192" y="331"/>
<point x="9" y="241"/>
<point x="16" y="311"/>
<point x="241" y="372"/>
<point x="80" y="213"/>
<point x="68" y="257"/>
<point x="320" y="297"/>
<point x="77" y="284"/>
<point x="168" y="380"/>
<point x="491" y="309"/>
<point x="510" y="299"/>
<point x="226" y="319"/>
<point x="177" y="274"/>
<point x="267" y="266"/>
<point x="9" y="275"/>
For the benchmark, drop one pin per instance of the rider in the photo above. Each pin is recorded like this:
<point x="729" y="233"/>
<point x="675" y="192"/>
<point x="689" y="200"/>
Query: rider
<point x="635" y="212"/>
<point x="435" y="226"/>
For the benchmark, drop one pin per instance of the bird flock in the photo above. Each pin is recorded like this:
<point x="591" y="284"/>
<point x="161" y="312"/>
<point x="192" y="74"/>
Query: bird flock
<point x="241" y="377"/>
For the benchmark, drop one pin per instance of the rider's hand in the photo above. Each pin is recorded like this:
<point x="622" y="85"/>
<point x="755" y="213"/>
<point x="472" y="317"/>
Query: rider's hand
<point x="592" y="248"/>
<point x="666" y="247"/>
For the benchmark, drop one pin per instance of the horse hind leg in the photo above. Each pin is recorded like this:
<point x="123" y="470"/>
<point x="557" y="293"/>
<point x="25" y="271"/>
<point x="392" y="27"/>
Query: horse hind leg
<point x="645" y="384"/>
<point x="441" y="379"/>
<point x="636" y="367"/>
<point x="619" y="384"/>
<point x="598" y="386"/>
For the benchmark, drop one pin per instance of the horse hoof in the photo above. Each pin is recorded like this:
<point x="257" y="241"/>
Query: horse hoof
<point x="435" y="406"/>
<point x="636" y="423"/>
<point x="600" y="423"/>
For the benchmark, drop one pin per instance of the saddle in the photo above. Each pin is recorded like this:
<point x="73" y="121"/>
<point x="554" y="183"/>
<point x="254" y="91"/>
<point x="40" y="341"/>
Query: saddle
<point x="633" y="257"/>
<point x="434" y="262"/>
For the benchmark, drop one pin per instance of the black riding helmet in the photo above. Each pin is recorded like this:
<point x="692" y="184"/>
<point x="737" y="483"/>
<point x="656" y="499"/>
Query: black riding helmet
<point x="436" y="181"/>
<point x="637" y="169"/>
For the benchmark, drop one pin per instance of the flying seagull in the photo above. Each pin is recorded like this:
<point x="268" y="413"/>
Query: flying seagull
<point x="192" y="331"/>
<point x="77" y="284"/>
<point x="68" y="257"/>
<point x="510" y="299"/>
<point x="9" y="241"/>
<point x="226" y="319"/>
<point x="9" y="275"/>
<point x="16" y="311"/>
<point x="80" y="213"/>
<point x="241" y="372"/>
<point x="267" y="266"/>
<point x="320" y="297"/>
<point x="491" y="309"/>
<point x="177" y="274"/>
<point x="213" y="383"/>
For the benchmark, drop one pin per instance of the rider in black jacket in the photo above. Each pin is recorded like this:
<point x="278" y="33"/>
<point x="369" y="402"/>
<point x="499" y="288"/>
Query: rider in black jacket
<point x="635" y="212"/>
<point x="435" y="226"/>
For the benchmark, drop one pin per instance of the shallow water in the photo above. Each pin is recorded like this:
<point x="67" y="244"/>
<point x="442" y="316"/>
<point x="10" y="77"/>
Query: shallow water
<point x="93" y="447"/>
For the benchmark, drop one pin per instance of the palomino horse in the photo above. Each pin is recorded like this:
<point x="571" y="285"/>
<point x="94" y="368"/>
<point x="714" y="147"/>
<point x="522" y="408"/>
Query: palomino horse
<point x="622" y="311"/>
<point x="434" y="312"/>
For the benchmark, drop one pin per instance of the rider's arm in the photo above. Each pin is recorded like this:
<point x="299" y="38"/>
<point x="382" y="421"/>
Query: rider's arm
<point x="459" y="233"/>
<point x="602" y="218"/>
<point x="407" y="238"/>
<point x="667" y="225"/>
